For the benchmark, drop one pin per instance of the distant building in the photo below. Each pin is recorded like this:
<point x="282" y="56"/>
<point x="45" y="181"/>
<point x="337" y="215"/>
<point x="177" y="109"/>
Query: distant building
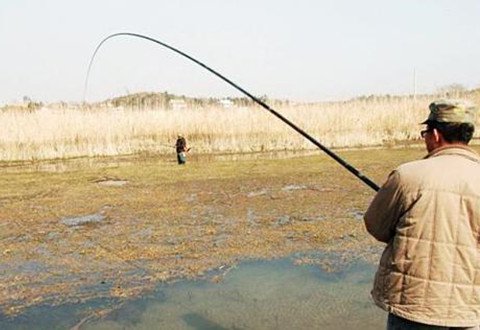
<point x="226" y="103"/>
<point x="177" y="104"/>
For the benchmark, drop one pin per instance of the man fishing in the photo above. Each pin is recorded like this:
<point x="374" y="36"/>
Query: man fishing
<point x="182" y="149"/>
<point x="428" y="213"/>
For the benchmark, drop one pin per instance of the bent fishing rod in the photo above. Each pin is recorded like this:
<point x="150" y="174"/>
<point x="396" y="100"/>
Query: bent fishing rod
<point x="349" y="167"/>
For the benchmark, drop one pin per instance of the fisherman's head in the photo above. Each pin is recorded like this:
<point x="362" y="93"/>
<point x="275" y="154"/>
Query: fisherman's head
<point x="449" y="122"/>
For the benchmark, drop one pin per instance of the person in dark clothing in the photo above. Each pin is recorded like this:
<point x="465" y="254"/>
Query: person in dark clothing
<point x="182" y="149"/>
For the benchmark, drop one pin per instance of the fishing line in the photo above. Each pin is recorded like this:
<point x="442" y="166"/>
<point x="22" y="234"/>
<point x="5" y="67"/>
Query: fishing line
<point x="347" y="166"/>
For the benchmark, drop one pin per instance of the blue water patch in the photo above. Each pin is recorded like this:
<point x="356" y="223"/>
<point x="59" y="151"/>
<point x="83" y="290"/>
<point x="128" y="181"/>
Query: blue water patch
<point x="274" y="294"/>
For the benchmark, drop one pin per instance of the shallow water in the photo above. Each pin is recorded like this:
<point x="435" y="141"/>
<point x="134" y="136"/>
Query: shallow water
<point x="253" y="295"/>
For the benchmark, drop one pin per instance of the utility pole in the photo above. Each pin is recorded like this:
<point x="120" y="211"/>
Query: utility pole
<point x="414" y="85"/>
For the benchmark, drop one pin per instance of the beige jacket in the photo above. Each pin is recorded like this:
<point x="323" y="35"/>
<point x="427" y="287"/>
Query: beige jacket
<point x="428" y="213"/>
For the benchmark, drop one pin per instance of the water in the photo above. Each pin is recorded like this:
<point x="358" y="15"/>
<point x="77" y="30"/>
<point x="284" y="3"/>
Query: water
<point x="82" y="220"/>
<point x="254" y="295"/>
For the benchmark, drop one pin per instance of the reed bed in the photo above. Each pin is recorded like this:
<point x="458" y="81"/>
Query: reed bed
<point x="51" y="133"/>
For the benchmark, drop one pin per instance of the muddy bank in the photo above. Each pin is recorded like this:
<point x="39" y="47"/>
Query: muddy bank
<point x="119" y="229"/>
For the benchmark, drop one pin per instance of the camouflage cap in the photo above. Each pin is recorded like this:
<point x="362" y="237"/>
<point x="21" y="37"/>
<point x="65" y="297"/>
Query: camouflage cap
<point x="451" y="111"/>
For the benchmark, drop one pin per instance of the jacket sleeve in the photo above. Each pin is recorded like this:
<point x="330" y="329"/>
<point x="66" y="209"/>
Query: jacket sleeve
<point x="385" y="209"/>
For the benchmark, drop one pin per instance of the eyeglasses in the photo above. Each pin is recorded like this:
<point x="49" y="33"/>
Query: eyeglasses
<point x="425" y="131"/>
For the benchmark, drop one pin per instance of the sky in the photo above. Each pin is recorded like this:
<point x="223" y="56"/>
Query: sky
<point x="302" y="50"/>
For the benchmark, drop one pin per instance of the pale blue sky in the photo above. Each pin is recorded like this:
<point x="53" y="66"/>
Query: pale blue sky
<point x="310" y="50"/>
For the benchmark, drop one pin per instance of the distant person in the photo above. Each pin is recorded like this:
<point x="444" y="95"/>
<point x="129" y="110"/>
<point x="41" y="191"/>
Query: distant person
<point x="182" y="149"/>
<point x="428" y="213"/>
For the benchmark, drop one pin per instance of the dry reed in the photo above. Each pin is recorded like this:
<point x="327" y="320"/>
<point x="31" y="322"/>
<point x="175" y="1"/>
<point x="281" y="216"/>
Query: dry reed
<point x="51" y="133"/>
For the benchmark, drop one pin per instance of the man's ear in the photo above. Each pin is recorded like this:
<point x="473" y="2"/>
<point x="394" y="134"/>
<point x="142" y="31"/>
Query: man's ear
<point x="437" y="136"/>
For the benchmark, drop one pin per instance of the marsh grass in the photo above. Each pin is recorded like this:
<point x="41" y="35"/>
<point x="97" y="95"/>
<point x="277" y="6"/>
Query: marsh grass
<point x="51" y="133"/>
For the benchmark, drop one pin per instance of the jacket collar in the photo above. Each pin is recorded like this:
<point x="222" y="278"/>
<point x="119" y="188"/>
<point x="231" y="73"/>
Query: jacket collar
<point x="455" y="149"/>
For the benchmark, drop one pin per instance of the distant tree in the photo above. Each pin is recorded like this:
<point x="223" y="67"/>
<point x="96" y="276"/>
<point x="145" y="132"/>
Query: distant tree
<point x="32" y="106"/>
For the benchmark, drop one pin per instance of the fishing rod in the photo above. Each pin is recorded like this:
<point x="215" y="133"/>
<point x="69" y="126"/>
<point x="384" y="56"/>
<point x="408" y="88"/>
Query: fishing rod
<point x="346" y="165"/>
<point x="172" y="146"/>
<point x="166" y="145"/>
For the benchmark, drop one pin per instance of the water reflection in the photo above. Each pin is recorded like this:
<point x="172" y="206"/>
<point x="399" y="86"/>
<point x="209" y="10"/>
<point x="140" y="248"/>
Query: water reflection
<point x="254" y="295"/>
